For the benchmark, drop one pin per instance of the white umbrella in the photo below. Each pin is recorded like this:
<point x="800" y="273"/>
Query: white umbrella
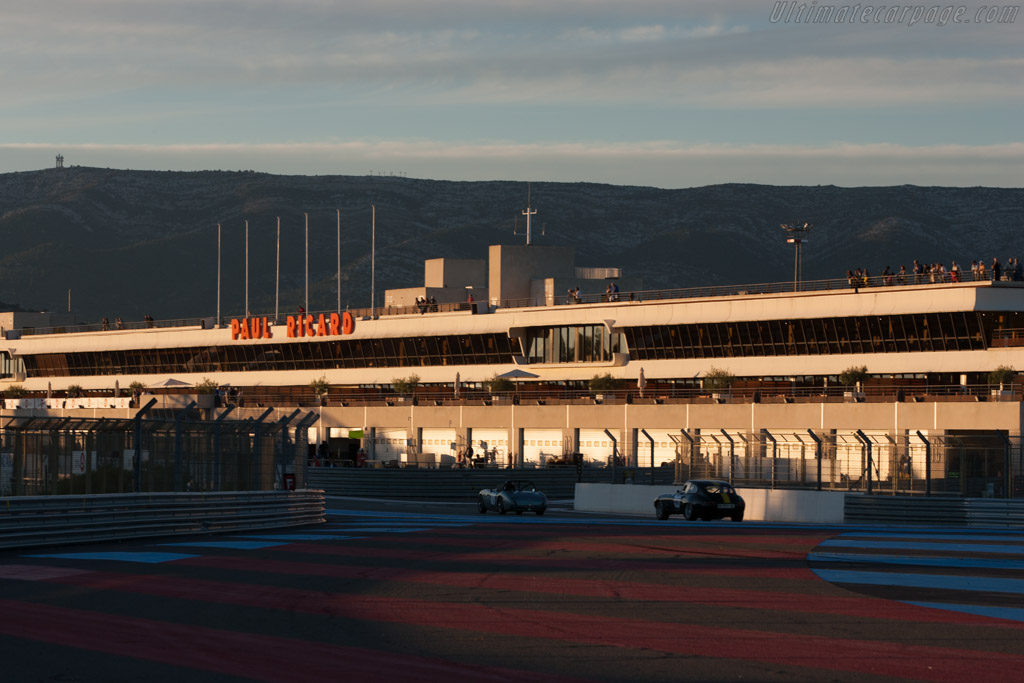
<point x="49" y="390"/>
<point x="518" y="374"/>
<point x="641" y="383"/>
<point x="117" y="388"/>
<point x="171" y="382"/>
<point x="457" y="383"/>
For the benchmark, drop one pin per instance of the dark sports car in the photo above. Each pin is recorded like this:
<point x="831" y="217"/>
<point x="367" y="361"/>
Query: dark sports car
<point x="705" y="498"/>
<point x="513" y="496"/>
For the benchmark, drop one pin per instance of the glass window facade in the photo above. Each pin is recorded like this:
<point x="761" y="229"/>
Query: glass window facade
<point x="479" y="349"/>
<point x="572" y="344"/>
<point x="961" y="331"/>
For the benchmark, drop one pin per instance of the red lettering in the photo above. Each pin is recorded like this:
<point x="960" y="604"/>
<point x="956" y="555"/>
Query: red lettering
<point x="308" y="331"/>
<point x="290" y="327"/>
<point x="267" y="334"/>
<point x="348" y="323"/>
<point x="321" y="326"/>
<point x="335" y="324"/>
<point x="244" y="330"/>
<point x="234" y="328"/>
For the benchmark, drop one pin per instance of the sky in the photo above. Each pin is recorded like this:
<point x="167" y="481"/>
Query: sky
<point x="661" y="93"/>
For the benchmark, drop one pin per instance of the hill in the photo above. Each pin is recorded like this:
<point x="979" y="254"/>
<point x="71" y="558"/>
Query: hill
<point x="134" y="242"/>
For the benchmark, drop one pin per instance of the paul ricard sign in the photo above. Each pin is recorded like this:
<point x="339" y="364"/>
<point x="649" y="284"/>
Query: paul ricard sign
<point x="322" y="325"/>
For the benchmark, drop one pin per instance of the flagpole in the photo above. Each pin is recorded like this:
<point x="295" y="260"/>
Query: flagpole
<point x="247" y="268"/>
<point x="218" y="275"/>
<point x="307" y="262"/>
<point x="277" y="274"/>
<point x="373" y="256"/>
<point x="339" y="260"/>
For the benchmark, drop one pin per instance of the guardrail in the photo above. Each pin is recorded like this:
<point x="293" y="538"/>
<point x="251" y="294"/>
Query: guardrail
<point x="971" y="512"/>
<point x="59" y="520"/>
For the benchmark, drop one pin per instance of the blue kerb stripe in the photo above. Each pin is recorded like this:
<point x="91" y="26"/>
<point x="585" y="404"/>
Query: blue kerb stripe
<point x="1011" y="613"/>
<point x="925" y="536"/>
<point x="959" y="562"/>
<point x="302" y="537"/>
<point x="958" y="583"/>
<point x="237" y="545"/>
<point x="918" y="545"/>
<point x="143" y="558"/>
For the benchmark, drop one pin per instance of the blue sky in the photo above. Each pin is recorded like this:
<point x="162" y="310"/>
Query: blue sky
<point x="649" y="92"/>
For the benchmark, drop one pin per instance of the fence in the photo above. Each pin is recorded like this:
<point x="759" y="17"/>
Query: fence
<point x="151" y="453"/>
<point x="56" y="520"/>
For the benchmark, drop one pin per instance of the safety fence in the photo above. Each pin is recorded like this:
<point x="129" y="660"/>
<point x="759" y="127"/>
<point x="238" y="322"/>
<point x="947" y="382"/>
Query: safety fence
<point x="156" y="452"/>
<point x="976" y="512"/>
<point x="57" y="520"/>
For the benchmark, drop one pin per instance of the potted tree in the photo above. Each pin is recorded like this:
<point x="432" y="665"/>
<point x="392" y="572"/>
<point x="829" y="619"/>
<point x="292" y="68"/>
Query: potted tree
<point x="1000" y="377"/>
<point x="499" y="386"/>
<point x="206" y="392"/>
<point x="320" y="387"/>
<point x="602" y="383"/>
<point x="719" y="381"/>
<point x="852" y="377"/>
<point x="405" y="387"/>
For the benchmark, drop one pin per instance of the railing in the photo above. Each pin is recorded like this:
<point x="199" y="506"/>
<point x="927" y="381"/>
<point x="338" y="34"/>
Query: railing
<point x="58" y="520"/>
<point x="533" y="393"/>
<point x="973" y="512"/>
<point x="856" y="284"/>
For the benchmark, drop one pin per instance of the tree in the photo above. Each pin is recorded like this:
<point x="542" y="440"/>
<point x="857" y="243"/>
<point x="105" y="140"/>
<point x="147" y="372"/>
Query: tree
<point x="1004" y="374"/>
<point x="406" y="385"/>
<point x="136" y="387"/>
<point x="321" y="385"/>
<point x="718" y="379"/>
<point x="14" y="391"/>
<point x="603" y="382"/>
<point x="207" y="386"/>
<point x="498" y="384"/>
<point x="855" y="374"/>
<point x="75" y="391"/>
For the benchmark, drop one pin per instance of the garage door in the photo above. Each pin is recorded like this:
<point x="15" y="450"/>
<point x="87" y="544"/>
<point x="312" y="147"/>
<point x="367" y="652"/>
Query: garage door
<point x="539" y="445"/>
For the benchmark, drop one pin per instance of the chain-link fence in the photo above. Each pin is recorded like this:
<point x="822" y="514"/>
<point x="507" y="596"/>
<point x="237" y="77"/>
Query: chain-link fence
<point x="61" y="456"/>
<point x="970" y="463"/>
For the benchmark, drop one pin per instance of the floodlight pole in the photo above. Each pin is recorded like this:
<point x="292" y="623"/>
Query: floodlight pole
<point x="247" y="268"/>
<point x="797" y="232"/>
<point x="277" y="274"/>
<point x="307" y="262"/>
<point x="218" y="275"/>
<point x="339" y="260"/>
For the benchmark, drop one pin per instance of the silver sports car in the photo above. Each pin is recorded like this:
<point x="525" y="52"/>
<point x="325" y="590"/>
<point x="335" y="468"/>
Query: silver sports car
<point x="512" y="496"/>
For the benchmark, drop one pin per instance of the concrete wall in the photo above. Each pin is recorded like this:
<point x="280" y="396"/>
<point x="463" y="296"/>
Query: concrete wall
<point x="513" y="268"/>
<point x="455" y="272"/>
<point x="769" y="505"/>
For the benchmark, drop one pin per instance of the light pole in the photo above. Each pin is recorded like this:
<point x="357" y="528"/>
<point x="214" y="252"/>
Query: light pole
<point x="797" y="236"/>
<point x="277" y="273"/>
<point x="218" y="275"/>
<point x="339" y="260"/>
<point x="307" y="262"/>
<point x="373" y="257"/>
<point x="247" y="268"/>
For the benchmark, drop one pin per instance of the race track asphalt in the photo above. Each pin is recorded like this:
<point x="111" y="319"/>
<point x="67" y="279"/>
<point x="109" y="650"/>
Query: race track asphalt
<point x="418" y="592"/>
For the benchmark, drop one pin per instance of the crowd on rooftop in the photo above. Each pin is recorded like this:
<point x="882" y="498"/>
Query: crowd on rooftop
<point x="923" y="273"/>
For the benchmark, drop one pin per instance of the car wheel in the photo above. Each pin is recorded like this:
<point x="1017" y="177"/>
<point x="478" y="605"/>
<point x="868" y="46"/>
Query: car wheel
<point x="689" y="512"/>
<point x="737" y="516"/>
<point x="481" y="506"/>
<point x="661" y="510"/>
<point x="500" y="507"/>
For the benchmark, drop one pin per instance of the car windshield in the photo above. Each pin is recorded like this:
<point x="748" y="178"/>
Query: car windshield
<point x="719" y="489"/>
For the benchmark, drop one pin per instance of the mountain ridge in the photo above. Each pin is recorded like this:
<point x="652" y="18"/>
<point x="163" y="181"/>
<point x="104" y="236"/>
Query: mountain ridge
<point x="130" y="243"/>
